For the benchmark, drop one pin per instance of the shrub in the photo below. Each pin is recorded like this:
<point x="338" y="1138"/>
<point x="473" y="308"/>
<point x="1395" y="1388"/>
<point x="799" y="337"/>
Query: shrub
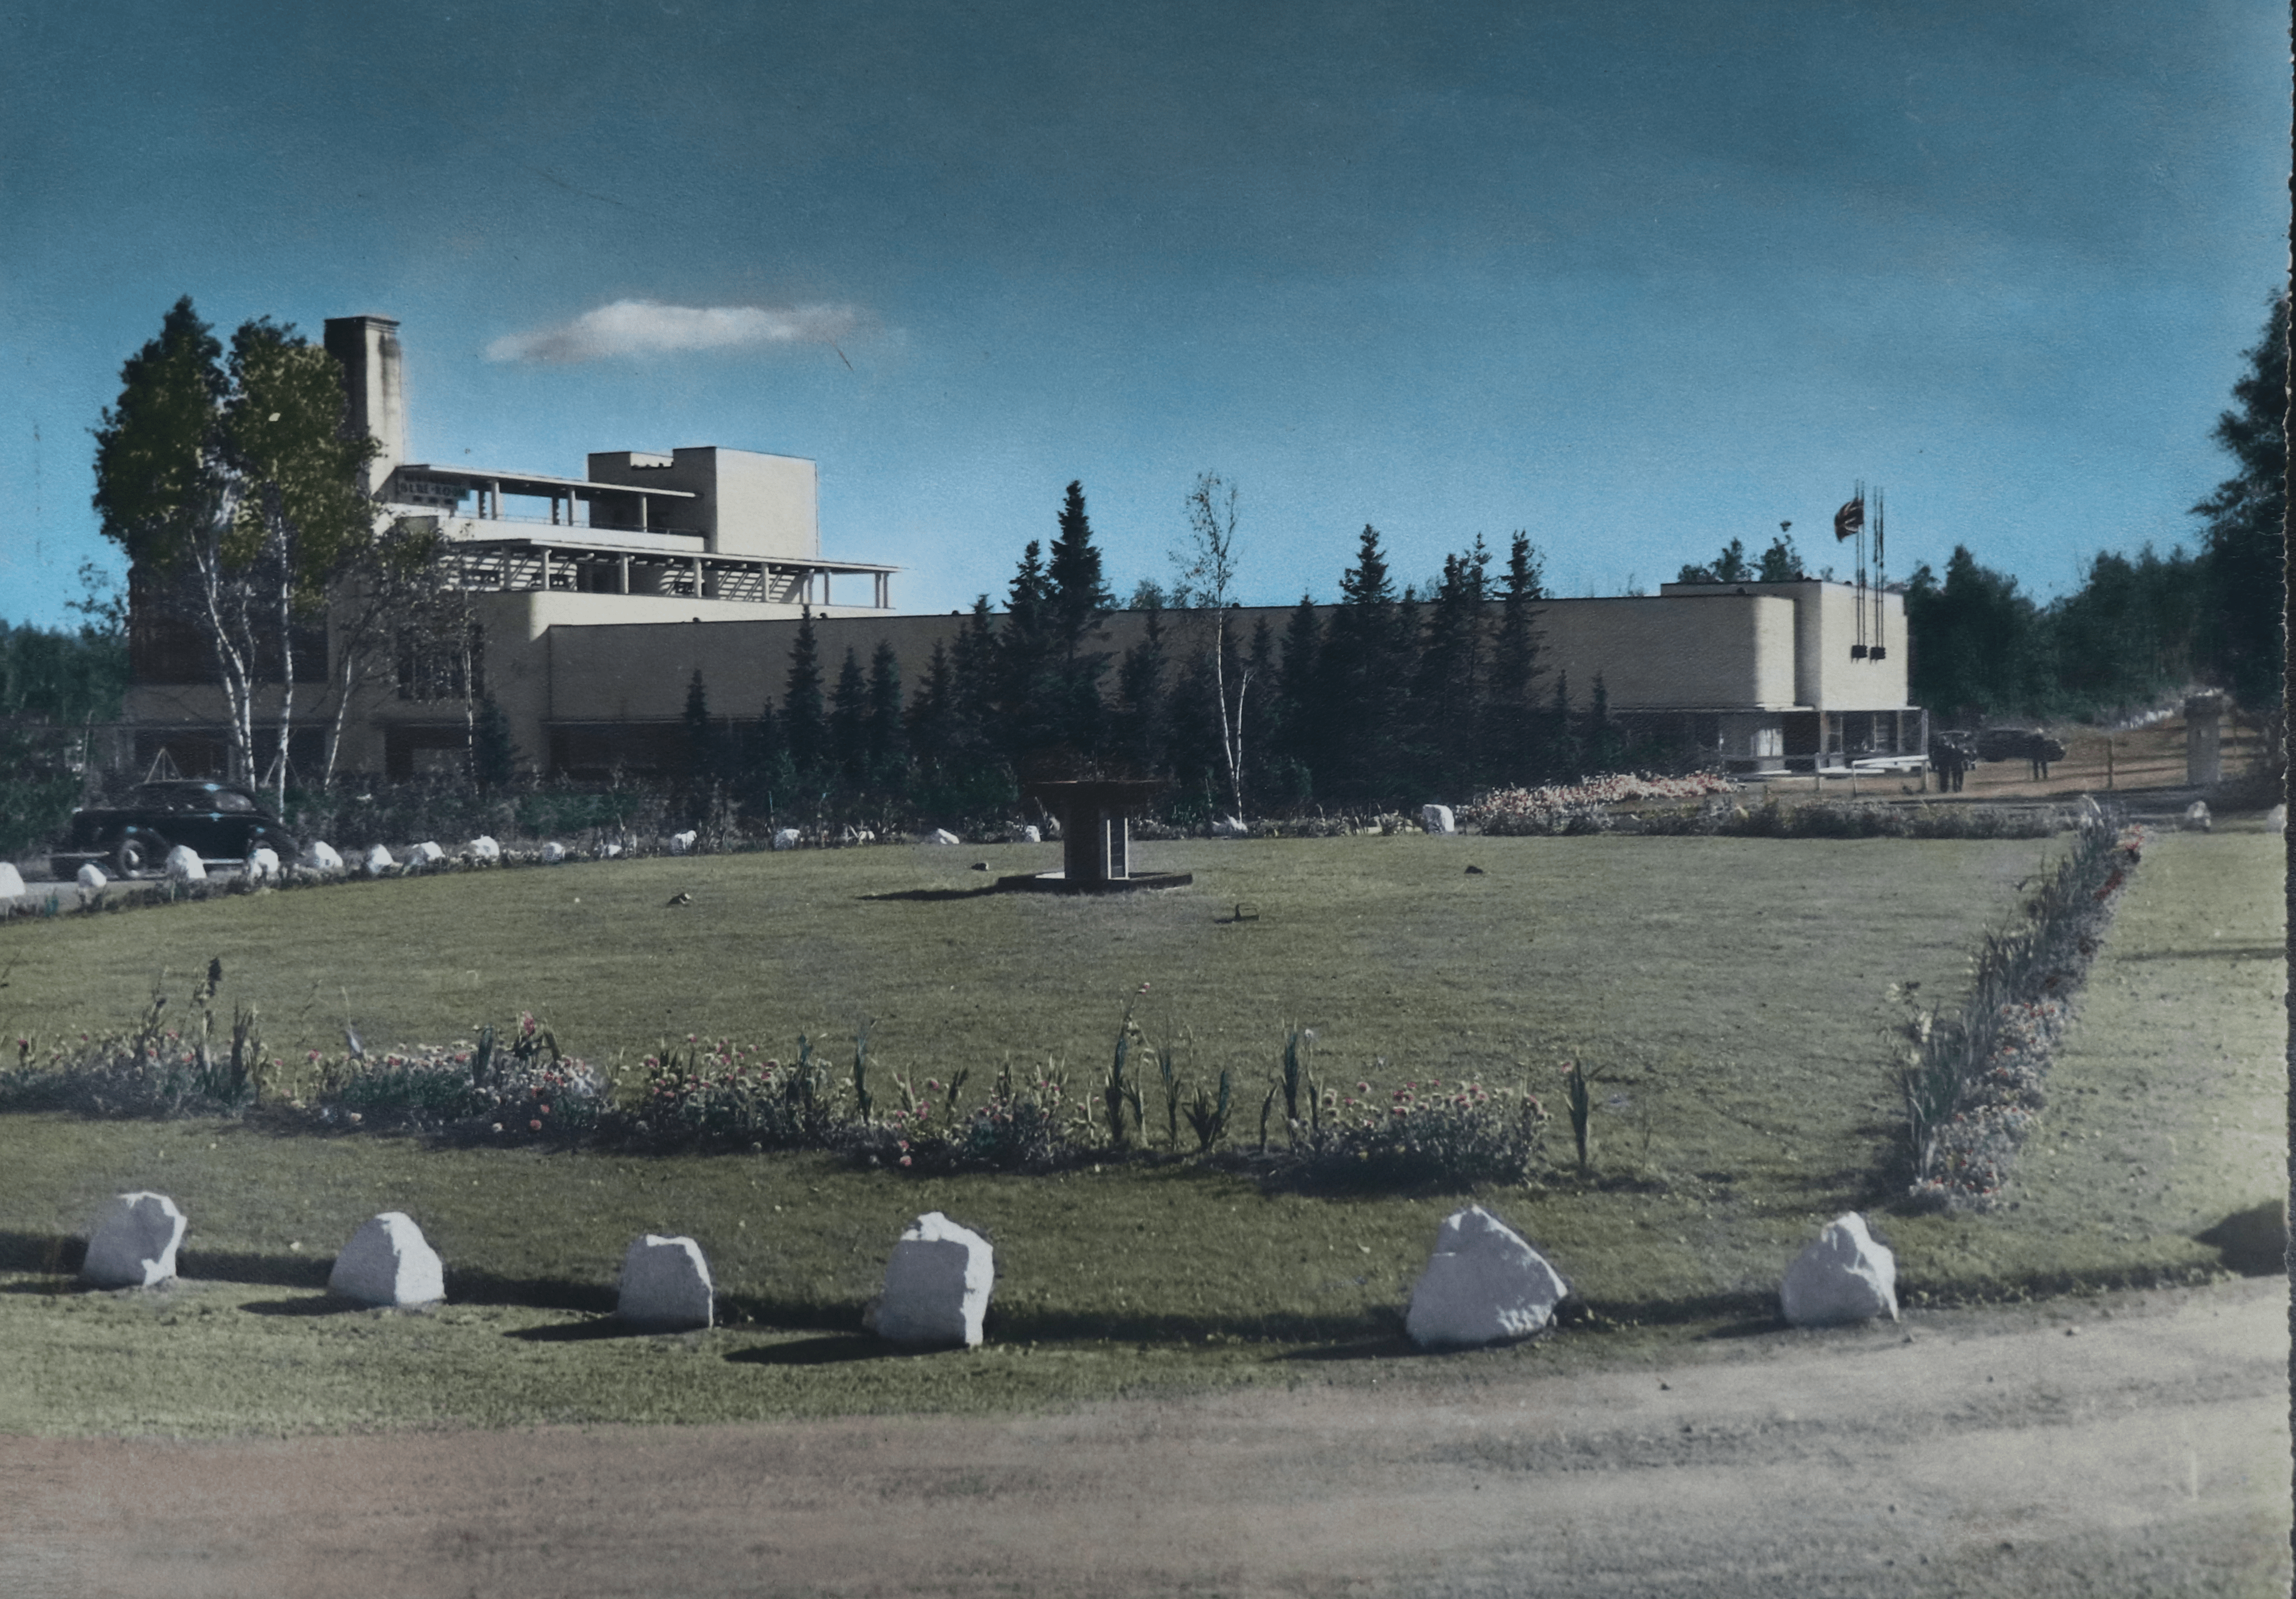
<point x="1422" y="1136"/>
<point x="1971" y="1083"/>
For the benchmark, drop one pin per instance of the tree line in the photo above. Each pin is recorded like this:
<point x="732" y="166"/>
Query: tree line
<point x="230" y="480"/>
<point x="2140" y="628"/>
<point x="1387" y="697"/>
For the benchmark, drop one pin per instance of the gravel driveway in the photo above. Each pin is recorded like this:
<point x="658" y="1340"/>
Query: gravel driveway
<point x="2134" y="1445"/>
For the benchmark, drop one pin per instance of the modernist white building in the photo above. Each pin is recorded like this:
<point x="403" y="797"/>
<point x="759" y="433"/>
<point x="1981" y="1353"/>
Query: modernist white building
<point x="599" y="597"/>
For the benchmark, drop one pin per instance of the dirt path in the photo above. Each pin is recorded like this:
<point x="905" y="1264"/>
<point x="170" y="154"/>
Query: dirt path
<point x="2147" y="1452"/>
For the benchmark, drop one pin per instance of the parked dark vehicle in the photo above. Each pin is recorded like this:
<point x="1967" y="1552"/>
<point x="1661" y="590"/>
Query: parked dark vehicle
<point x="132" y="838"/>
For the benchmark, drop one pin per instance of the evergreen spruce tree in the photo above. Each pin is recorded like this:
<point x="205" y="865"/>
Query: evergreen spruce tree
<point x="932" y="713"/>
<point x="885" y="737"/>
<point x="1365" y="679"/>
<point x="805" y="731"/>
<point x="1301" y="733"/>
<point x="1136" y="733"/>
<point x="849" y="724"/>
<point x="1512" y="717"/>
<point x="1076" y="602"/>
<point x="2246" y="544"/>
<point x="1448" y="693"/>
<point x="700" y="737"/>
<point x="1030" y="709"/>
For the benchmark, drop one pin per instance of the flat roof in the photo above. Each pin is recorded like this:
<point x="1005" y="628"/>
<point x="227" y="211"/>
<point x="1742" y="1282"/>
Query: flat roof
<point x="511" y="480"/>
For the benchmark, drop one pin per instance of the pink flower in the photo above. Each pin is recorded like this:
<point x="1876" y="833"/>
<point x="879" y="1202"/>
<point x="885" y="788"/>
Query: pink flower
<point x="904" y="1159"/>
<point x="545" y="1109"/>
<point x="534" y="1127"/>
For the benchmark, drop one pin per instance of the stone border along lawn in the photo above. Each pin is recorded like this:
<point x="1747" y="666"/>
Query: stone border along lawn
<point x="2166" y="1119"/>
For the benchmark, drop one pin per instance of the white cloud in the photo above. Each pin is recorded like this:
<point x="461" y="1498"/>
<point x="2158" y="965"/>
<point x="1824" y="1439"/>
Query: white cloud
<point x="642" y="327"/>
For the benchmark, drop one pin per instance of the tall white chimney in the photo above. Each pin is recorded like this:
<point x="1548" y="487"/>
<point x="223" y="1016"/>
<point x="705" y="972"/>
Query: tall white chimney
<point x="368" y="348"/>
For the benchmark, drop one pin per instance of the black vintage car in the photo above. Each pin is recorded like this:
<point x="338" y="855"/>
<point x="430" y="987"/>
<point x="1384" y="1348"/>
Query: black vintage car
<point x="223" y="824"/>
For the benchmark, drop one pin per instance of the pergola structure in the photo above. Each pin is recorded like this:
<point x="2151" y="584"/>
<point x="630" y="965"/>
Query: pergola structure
<point x="637" y="547"/>
<point x="1095" y="839"/>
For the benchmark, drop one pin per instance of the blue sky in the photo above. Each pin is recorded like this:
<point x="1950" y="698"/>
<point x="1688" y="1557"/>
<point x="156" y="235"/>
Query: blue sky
<point x="1637" y="278"/>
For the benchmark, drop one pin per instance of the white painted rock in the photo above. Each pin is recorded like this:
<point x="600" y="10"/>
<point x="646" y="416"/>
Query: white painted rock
<point x="484" y="849"/>
<point x="379" y="861"/>
<point x="1436" y="818"/>
<point x="942" y="835"/>
<point x="682" y="843"/>
<point x="2276" y="818"/>
<point x="321" y="857"/>
<point x="428" y="852"/>
<point x="1028" y="835"/>
<point x="12" y="881"/>
<point x="263" y="863"/>
<point x="1230" y="827"/>
<point x="1845" y="1276"/>
<point x="133" y="1242"/>
<point x="552" y="853"/>
<point x="786" y="839"/>
<point x="387" y="1263"/>
<point x="184" y="864"/>
<point x="665" y="1286"/>
<point x="1483" y="1285"/>
<point x="91" y="877"/>
<point x="2197" y="818"/>
<point x="607" y="852"/>
<point x="937" y="1285"/>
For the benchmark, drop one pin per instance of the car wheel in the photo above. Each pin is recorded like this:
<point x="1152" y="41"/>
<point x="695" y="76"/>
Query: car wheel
<point x="135" y="853"/>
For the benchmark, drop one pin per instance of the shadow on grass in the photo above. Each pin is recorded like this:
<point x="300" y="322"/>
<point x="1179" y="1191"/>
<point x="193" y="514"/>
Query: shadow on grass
<point x="2253" y="1243"/>
<point x="935" y="896"/>
<point x="324" y="1305"/>
<point x="53" y="1253"/>
<point x="831" y="1349"/>
<point x="2213" y="952"/>
<point x="584" y="1331"/>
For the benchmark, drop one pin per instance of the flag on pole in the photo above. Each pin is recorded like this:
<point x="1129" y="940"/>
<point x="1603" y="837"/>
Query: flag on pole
<point x="1850" y="519"/>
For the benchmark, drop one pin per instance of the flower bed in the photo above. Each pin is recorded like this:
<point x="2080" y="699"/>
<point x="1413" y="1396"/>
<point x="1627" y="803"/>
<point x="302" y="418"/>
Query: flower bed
<point x="1574" y="808"/>
<point x="1974" y="1084"/>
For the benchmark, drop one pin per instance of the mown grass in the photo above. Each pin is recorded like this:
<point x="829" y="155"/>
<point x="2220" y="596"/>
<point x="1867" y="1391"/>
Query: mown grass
<point x="1735" y="987"/>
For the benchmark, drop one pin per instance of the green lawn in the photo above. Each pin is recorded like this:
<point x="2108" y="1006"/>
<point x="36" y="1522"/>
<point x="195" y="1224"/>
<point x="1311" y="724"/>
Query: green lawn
<point x="1734" y="986"/>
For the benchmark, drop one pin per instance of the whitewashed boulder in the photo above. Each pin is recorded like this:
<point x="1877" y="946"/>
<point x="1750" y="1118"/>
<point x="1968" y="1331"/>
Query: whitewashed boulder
<point x="936" y="1286"/>
<point x="942" y="835"/>
<point x="552" y="853"/>
<point x="133" y="1243"/>
<point x="429" y="852"/>
<point x="2197" y="818"/>
<point x="1230" y="827"/>
<point x="411" y="858"/>
<point x="184" y="866"/>
<point x="12" y="881"/>
<point x="682" y="843"/>
<point x="1483" y="1285"/>
<point x="322" y="857"/>
<point x="379" y="860"/>
<point x="1845" y="1276"/>
<point x="1436" y="818"/>
<point x="91" y="877"/>
<point x="665" y="1286"/>
<point x="2276" y="818"/>
<point x="387" y="1262"/>
<point x="606" y="852"/>
<point x="1028" y="835"/>
<point x="786" y="839"/>
<point x="485" y="848"/>
<point x="263" y="863"/>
